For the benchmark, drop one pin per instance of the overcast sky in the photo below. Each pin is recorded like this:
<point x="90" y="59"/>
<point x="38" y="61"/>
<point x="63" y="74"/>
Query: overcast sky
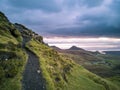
<point x="69" y="18"/>
<point x="66" y="17"/>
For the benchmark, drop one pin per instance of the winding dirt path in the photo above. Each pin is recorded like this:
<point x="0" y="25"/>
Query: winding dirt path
<point x="32" y="77"/>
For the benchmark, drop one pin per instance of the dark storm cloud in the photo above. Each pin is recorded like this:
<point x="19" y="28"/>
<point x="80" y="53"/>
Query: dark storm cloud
<point x="90" y="31"/>
<point x="66" y="17"/>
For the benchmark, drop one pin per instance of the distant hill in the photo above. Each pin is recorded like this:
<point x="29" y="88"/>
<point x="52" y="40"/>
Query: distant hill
<point x="55" y="48"/>
<point x="85" y="55"/>
<point x="95" y="52"/>
<point x="75" y="48"/>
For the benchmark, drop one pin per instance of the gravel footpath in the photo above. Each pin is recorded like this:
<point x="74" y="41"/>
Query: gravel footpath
<point x="32" y="77"/>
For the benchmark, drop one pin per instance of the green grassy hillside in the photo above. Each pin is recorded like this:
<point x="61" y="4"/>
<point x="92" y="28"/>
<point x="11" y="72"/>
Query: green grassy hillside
<point x="104" y="65"/>
<point x="12" y="56"/>
<point x="62" y="73"/>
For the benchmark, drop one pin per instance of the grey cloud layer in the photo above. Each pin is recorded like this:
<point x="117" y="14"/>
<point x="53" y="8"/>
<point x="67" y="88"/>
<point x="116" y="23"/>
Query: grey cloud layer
<point x="66" y="17"/>
<point x="45" y="5"/>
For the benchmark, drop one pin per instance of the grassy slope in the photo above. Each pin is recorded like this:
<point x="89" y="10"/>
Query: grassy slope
<point x="63" y="74"/>
<point x="107" y="66"/>
<point x="14" y="82"/>
<point x="6" y="37"/>
<point x="115" y="80"/>
<point x="17" y="63"/>
<point x="12" y="56"/>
